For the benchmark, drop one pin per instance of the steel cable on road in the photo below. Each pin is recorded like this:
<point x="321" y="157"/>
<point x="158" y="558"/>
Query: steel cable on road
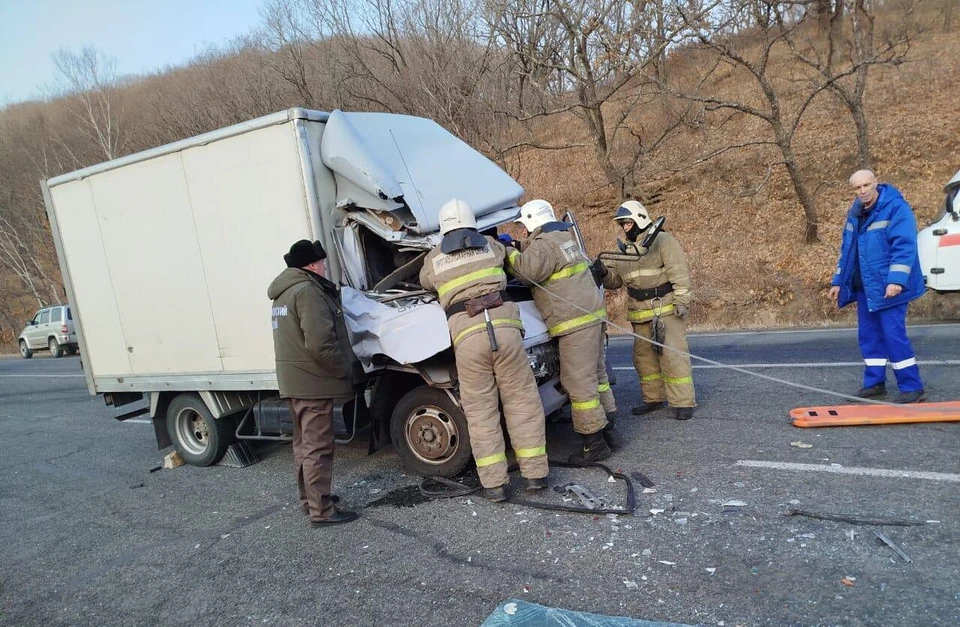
<point x="802" y="386"/>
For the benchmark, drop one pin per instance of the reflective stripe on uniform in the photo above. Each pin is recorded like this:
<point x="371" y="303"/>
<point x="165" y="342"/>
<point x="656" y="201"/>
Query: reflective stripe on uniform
<point x="849" y="227"/>
<point x="467" y="278"/>
<point x="899" y="267"/>
<point x="678" y="380"/>
<point x="906" y="363"/>
<point x="643" y="272"/>
<point x="512" y="255"/>
<point x="591" y="404"/>
<point x="497" y="322"/>
<point x="603" y="387"/>
<point x="647" y="378"/>
<point x="879" y="224"/>
<point x="523" y="453"/>
<point x="579" y="321"/>
<point x="875" y="362"/>
<point x="583" y="266"/>
<point x="647" y="314"/>
<point x="491" y="460"/>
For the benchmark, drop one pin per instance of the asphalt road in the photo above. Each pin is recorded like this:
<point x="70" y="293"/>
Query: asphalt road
<point x="89" y="536"/>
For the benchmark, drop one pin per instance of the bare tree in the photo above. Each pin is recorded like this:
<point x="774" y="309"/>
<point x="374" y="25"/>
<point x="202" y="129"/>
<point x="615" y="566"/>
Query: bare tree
<point x="283" y="35"/>
<point x="842" y="59"/>
<point x="89" y="78"/>
<point x="590" y="58"/>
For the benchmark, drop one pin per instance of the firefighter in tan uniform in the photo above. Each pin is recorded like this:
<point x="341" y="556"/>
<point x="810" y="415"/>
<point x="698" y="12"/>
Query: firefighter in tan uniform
<point x="572" y="307"/>
<point x="658" y="285"/>
<point x="466" y="271"/>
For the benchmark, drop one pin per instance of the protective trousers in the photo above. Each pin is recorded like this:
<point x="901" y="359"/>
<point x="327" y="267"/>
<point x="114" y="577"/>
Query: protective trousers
<point x="504" y="376"/>
<point x="607" y="401"/>
<point x="579" y="366"/>
<point x="313" y="454"/>
<point x="667" y="376"/>
<point x="883" y="338"/>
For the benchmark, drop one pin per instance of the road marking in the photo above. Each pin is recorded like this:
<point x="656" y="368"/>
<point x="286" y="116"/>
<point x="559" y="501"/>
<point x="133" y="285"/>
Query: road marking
<point x="812" y="364"/>
<point x="41" y="376"/>
<point x="852" y="470"/>
<point x="624" y="337"/>
<point x="138" y="421"/>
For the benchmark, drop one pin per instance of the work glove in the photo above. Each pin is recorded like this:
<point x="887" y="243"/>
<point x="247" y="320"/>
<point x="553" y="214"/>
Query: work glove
<point x="599" y="272"/>
<point x="681" y="311"/>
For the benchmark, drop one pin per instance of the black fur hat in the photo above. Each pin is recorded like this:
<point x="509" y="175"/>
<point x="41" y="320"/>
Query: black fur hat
<point x="303" y="253"/>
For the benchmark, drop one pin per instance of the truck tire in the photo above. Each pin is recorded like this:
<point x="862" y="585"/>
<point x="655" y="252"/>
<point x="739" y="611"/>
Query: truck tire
<point x="55" y="348"/>
<point x="200" y="439"/>
<point x="430" y="434"/>
<point x="25" y="351"/>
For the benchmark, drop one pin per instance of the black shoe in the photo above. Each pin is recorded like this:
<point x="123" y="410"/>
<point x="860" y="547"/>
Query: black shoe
<point x="532" y="485"/>
<point x="496" y="495"/>
<point x="333" y="499"/>
<point x="610" y="433"/>
<point x="646" y="408"/>
<point x="594" y="449"/>
<point x="339" y="517"/>
<point x="683" y="413"/>
<point x="911" y="397"/>
<point x="876" y="391"/>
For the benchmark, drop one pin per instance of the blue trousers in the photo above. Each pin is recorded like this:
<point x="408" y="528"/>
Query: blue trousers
<point x="883" y="339"/>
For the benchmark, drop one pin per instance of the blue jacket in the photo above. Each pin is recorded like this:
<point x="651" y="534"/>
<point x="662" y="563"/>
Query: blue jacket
<point x="884" y="241"/>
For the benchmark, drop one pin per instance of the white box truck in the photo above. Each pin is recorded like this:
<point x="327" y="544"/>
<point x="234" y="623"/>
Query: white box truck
<point x="166" y="256"/>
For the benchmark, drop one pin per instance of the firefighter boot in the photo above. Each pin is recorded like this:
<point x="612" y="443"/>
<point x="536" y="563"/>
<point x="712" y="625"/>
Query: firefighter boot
<point x="593" y="449"/>
<point x="611" y="435"/>
<point x="497" y="494"/>
<point x="532" y="485"/>
<point x="647" y="407"/>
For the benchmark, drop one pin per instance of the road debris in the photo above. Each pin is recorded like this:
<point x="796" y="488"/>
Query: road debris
<point x="172" y="460"/>
<point x="711" y="571"/>
<point x="849" y="581"/>
<point x="801" y="444"/>
<point x="666" y="563"/>
<point x="510" y="609"/>
<point x="855" y="519"/>
<point x="733" y="506"/>
<point x="642" y="479"/>
<point x="632" y="585"/>
<point x="893" y="546"/>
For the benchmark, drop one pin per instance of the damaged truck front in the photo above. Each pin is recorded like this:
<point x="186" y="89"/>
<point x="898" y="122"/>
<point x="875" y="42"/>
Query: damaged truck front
<point x="166" y="255"/>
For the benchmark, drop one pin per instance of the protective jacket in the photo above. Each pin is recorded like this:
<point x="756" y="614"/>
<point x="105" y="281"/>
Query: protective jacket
<point x="552" y="257"/>
<point x="882" y="244"/>
<point x="661" y="274"/>
<point x="313" y="352"/>
<point x="467" y="274"/>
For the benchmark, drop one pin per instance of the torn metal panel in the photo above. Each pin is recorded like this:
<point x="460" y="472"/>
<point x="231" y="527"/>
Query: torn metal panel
<point x="406" y="335"/>
<point x="399" y="163"/>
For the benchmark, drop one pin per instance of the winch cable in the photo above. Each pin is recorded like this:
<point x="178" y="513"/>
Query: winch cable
<point x="718" y="364"/>
<point x="460" y="490"/>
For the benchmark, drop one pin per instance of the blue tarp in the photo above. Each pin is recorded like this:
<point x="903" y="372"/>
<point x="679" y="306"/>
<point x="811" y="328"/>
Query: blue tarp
<point x="514" y="612"/>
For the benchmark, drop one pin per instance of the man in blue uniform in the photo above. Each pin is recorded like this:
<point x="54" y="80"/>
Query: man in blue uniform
<point x="879" y="269"/>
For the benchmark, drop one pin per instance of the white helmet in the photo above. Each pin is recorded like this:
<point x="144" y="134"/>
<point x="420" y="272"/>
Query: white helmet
<point x="456" y="214"/>
<point x="633" y="210"/>
<point x="535" y="214"/>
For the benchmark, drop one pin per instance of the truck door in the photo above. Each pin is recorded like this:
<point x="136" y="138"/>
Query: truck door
<point x="944" y="275"/>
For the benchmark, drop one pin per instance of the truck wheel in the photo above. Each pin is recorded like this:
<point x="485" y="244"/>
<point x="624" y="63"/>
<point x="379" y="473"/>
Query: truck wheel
<point x="430" y="433"/>
<point x="25" y="351"/>
<point x="54" y="347"/>
<point x="200" y="439"/>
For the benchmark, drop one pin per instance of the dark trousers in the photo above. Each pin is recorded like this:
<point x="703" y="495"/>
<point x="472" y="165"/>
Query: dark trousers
<point x="313" y="454"/>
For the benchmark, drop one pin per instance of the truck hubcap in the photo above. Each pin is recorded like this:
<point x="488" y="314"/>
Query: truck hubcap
<point x="192" y="432"/>
<point x="432" y="435"/>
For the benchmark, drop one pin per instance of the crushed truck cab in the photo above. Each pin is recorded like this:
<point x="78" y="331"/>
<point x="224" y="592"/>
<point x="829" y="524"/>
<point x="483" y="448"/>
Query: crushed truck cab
<point x="166" y="255"/>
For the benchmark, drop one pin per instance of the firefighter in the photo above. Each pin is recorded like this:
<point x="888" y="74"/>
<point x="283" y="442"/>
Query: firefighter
<point x="657" y="279"/>
<point x="466" y="271"/>
<point x="572" y="307"/>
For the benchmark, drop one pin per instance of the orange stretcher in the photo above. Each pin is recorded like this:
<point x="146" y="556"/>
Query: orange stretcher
<point x="856" y="415"/>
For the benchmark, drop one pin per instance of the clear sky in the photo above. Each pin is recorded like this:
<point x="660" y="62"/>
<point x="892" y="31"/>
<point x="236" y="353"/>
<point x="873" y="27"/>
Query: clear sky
<point x="142" y="35"/>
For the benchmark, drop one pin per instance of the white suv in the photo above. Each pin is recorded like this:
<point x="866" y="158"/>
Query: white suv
<point x="51" y="328"/>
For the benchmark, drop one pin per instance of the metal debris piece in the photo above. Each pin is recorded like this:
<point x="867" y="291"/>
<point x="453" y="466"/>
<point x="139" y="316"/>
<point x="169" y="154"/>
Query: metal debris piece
<point x="893" y="546"/>
<point x="801" y="444"/>
<point x="855" y="519"/>
<point x="587" y="498"/>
